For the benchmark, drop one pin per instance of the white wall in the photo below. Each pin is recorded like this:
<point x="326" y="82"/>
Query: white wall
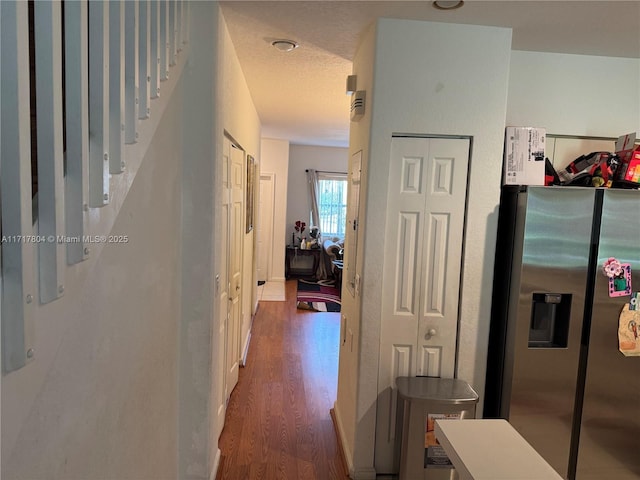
<point x="199" y="372"/>
<point x="574" y="94"/>
<point x="99" y="398"/>
<point x="345" y="407"/>
<point x="437" y="79"/>
<point x="275" y="159"/>
<point x="301" y="158"/>
<point x="217" y="101"/>
<point x="241" y="122"/>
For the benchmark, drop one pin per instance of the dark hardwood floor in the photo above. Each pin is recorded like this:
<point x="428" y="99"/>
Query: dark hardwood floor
<point x="278" y="423"/>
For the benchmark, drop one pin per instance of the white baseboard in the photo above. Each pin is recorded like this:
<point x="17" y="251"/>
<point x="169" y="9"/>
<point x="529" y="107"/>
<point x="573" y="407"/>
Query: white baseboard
<point x="243" y="360"/>
<point x="367" y="473"/>
<point x="216" y="465"/>
<point x="346" y="453"/>
<point x="364" y="474"/>
<point x="245" y="350"/>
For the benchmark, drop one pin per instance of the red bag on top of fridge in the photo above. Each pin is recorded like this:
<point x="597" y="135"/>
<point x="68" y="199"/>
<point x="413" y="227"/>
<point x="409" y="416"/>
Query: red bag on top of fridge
<point x="628" y="172"/>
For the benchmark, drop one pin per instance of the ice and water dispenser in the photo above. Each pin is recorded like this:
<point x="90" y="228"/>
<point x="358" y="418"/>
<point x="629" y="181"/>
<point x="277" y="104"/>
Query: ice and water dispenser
<point x="550" y="313"/>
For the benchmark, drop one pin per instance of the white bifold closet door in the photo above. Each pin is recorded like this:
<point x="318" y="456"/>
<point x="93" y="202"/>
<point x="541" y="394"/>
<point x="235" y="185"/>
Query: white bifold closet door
<point x="421" y="273"/>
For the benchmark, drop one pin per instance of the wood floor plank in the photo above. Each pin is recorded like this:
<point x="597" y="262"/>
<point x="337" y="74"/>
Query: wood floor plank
<point x="278" y="424"/>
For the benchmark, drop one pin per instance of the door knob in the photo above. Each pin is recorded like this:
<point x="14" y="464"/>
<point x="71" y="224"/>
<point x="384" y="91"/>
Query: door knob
<point x="430" y="333"/>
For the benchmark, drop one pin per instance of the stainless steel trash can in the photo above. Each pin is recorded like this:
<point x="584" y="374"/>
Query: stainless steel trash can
<point x="421" y="400"/>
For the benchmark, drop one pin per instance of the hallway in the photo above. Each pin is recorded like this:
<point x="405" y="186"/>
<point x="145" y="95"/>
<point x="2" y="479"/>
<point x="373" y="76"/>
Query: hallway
<point x="278" y="423"/>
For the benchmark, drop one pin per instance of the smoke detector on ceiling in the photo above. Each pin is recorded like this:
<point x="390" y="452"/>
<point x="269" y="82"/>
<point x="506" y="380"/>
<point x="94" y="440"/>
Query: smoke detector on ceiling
<point x="285" y="45"/>
<point x="447" y="5"/>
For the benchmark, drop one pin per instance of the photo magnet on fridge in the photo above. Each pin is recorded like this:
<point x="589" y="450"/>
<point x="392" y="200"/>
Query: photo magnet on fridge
<point x="619" y="277"/>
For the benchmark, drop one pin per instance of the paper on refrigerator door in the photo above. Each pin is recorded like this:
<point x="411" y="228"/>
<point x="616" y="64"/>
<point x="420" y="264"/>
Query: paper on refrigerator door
<point x="629" y="332"/>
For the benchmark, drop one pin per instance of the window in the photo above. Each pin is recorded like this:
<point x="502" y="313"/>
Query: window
<point x="332" y="204"/>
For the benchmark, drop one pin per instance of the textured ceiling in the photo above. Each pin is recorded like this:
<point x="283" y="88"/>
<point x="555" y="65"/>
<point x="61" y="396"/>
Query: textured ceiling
<point x="300" y="95"/>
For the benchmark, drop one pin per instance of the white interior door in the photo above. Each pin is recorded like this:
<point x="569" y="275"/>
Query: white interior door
<point x="222" y="283"/>
<point x="421" y="271"/>
<point x="237" y="171"/>
<point x="264" y="229"/>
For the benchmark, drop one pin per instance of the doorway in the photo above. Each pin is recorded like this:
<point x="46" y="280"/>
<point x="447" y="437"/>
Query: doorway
<point x="264" y="230"/>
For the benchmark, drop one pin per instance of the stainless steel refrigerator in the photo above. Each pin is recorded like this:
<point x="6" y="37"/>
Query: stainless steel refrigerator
<point x="554" y="368"/>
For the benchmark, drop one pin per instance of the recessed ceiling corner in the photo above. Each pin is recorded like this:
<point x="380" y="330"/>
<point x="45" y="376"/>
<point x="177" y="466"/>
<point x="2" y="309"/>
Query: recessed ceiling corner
<point x="285" y="45"/>
<point x="446" y="5"/>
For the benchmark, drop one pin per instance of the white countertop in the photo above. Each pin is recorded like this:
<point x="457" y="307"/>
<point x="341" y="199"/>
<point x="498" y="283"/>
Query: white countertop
<point x="491" y="450"/>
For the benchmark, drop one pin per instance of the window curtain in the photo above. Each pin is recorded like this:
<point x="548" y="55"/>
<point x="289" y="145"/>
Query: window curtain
<point x="312" y="181"/>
